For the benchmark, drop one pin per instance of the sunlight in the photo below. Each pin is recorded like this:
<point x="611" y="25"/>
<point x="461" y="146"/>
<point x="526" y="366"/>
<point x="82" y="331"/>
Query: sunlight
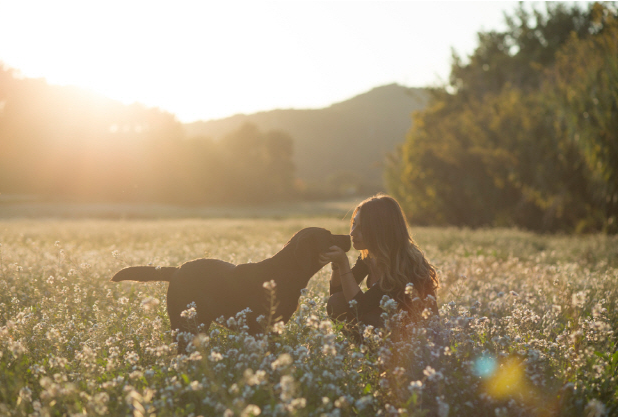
<point x="204" y="60"/>
<point x="239" y="62"/>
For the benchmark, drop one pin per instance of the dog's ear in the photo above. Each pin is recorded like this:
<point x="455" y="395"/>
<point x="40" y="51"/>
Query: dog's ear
<point x="309" y="243"/>
<point x="323" y="240"/>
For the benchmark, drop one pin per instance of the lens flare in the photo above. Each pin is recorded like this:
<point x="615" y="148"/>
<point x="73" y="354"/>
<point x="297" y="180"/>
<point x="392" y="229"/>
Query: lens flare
<point x="508" y="380"/>
<point x="485" y="366"/>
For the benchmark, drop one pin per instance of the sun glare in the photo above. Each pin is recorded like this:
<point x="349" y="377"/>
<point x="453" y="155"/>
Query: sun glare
<point x="202" y="60"/>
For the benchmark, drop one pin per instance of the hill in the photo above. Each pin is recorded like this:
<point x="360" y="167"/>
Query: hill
<point x="348" y="139"/>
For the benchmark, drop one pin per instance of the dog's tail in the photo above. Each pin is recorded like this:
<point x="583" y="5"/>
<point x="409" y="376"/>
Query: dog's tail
<point x="145" y="274"/>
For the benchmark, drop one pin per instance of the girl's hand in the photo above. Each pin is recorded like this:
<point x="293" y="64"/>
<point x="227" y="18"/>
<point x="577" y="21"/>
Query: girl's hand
<point x="333" y="254"/>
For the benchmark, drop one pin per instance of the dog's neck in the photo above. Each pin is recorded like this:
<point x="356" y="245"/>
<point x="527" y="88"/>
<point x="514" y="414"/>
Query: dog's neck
<point x="292" y="278"/>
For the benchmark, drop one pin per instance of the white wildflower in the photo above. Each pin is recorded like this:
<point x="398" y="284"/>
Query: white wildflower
<point x="189" y="313"/>
<point x="270" y="285"/>
<point x="416" y="385"/>
<point x="341" y="402"/>
<point x="52" y="334"/>
<point x="595" y="408"/>
<point x="326" y="326"/>
<point x="101" y="398"/>
<point x="329" y="350"/>
<point x="313" y="321"/>
<point x="368" y="331"/>
<point x="298" y="403"/>
<point x="287" y="387"/>
<point x="429" y="371"/>
<point x="195" y="386"/>
<point x="251" y="410"/>
<point x="25" y="394"/>
<point x="136" y="375"/>
<point x="598" y="310"/>
<point x="149" y="303"/>
<point x="17" y="348"/>
<point x="579" y="299"/>
<point x="283" y="361"/>
<point x="432" y="374"/>
<point x="278" y="327"/>
<point x="252" y="378"/>
<point x="201" y="340"/>
<point x="409" y="289"/>
<point x="131" y="357"/>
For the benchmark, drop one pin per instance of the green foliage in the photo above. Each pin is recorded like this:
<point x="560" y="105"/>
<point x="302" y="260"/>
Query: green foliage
<point x="583" y="90"/>
<point x="519" y="137"/>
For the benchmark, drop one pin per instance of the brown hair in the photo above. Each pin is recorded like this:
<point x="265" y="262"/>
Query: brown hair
<point x="385" y="234"/>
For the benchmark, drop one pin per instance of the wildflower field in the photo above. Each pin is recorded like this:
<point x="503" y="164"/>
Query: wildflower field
<point x="527" y="327"/>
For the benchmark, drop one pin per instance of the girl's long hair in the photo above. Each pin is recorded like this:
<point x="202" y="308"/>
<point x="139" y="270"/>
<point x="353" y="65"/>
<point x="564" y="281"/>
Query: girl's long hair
<point x="385" y="233"/>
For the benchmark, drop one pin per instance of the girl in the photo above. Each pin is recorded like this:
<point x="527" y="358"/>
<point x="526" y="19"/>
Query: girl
<point x="390" y="260"/>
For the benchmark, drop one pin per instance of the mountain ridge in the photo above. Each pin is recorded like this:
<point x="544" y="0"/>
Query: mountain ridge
<point x="350" y="138"/>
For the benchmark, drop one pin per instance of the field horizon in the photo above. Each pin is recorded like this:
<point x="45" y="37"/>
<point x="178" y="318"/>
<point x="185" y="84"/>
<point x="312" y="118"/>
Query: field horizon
<point x="33" y="207"/>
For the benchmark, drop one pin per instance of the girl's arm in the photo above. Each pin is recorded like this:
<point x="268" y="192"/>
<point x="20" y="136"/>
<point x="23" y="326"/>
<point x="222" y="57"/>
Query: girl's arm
<point x="335" y="280"/>
<point x="342" y="275"/>
<point x="348" y="283"/>
<point x="360" y="270"/>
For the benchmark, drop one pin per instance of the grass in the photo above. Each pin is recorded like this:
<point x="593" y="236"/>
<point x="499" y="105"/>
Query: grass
<point x="527" y="327"/>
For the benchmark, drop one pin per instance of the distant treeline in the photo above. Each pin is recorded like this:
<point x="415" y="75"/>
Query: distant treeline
<point x="64" y="143"/>
<point x="525" y="133"/>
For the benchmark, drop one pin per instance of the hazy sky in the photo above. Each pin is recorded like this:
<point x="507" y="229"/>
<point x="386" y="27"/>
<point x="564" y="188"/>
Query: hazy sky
<point x="211" y="59"/>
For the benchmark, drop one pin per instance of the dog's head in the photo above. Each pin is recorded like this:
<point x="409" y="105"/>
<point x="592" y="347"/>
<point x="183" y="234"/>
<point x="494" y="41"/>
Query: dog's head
<point x="310" y="242"/>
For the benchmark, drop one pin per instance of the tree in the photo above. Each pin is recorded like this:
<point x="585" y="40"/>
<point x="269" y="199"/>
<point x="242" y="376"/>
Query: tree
<point x="583" y="90"/>
<point x="258" y="165"/>
<point x="65" y="143"/>
<point x="489" y="150"/>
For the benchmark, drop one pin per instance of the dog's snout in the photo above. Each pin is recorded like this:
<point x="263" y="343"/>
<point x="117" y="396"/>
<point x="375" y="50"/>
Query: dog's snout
<point x="343" y="241"/>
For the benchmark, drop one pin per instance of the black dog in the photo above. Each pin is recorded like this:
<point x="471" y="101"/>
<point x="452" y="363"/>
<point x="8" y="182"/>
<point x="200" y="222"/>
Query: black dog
<point x="220" y="288"/>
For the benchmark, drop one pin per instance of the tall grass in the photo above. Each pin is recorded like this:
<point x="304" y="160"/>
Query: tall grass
<point x="527" y="327"/>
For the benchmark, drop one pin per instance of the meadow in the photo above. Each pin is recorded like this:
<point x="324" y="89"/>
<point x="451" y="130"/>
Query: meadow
<point x="527" y="327"/>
